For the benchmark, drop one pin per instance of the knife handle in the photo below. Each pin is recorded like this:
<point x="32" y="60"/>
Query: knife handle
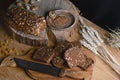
<point x="75" y="74"/>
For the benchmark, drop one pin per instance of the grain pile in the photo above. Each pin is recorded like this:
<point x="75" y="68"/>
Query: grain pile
<point x="8" y="46"/>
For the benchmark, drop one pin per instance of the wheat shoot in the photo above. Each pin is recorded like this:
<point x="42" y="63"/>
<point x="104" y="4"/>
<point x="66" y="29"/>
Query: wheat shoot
<point x="93" y="41"/>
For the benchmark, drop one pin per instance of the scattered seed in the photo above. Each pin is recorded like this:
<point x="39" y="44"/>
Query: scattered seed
<point x="10" y="51"/>
<point x="2" y="54"/>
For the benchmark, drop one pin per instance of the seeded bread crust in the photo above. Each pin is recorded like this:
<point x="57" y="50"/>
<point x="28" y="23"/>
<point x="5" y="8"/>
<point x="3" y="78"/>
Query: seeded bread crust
<point x="27" y="27"/>
<point x="25" y="21"/>
<point x="75" y="57"/>
<point x="43" y="54"/>
<point x="59" y="51"/>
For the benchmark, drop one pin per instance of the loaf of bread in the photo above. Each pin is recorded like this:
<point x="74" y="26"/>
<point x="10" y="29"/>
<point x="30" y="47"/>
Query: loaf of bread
<point x="59" y="51"/>
<point x="28" y="27"/>
<point x="25" y="21"/>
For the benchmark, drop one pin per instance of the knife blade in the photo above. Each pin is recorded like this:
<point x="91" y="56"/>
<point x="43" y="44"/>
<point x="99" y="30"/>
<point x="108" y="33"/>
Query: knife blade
<point x="54" y="71"/>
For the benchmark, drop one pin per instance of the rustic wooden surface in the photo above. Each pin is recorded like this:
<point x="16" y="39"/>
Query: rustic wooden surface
<point x="101" y="70"/>
<point x="12" y="48"/>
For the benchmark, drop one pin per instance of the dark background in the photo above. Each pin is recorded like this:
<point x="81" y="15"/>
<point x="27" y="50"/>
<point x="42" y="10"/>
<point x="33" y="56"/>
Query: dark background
<point x="4" y="4"/>
<point x="105" y="13"/>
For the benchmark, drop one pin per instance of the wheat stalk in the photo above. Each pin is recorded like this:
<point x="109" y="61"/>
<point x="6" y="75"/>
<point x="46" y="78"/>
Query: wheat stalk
<point x="114" y="39"/>
<point x="93" y="41"/>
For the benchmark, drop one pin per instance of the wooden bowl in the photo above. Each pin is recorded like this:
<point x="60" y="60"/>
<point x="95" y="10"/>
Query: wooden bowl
<point x="60" y="19"/>
<point x="64" y="25"/>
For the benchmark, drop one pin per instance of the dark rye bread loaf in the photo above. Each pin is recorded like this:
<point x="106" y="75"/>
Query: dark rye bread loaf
<point x="46" y="54"/>
<point x="28" y="27"/>
<point x="25" y="21"/>
<point x="75" y="57"/>
<point x="59" y="51"/>
<point x="43" y="54"/>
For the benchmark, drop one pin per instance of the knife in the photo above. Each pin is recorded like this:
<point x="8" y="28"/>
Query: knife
<point x="42" y="68"/>
<point x="50" y="70"/>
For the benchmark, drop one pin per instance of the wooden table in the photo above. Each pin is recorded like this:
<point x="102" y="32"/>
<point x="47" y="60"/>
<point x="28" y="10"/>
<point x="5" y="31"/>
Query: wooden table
<point x="101" y="70"/>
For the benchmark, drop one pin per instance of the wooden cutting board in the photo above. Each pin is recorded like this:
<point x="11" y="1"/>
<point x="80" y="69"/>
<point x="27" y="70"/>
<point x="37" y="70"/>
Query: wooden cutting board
<point x="9" y="64"/>
<point x="10" y="73"/>
<point x="11" y="47"/>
